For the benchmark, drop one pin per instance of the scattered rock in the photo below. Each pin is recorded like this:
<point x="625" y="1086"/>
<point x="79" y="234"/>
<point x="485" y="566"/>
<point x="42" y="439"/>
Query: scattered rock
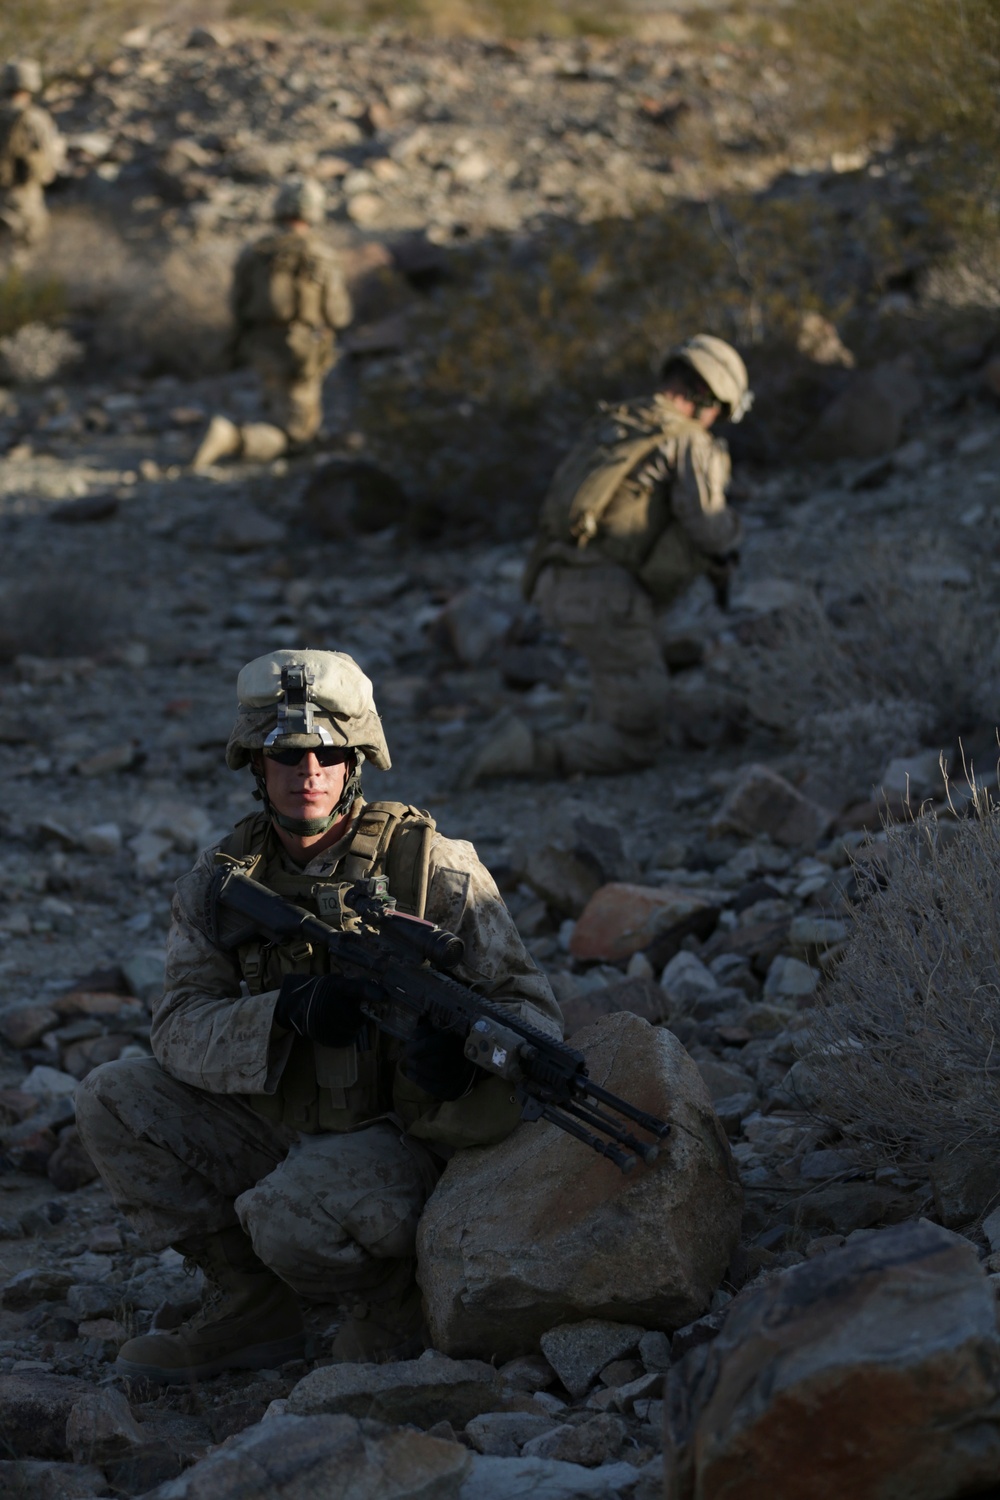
<point x="36" y="1480"/>
<point x="621" y="919"/>
<point x="578" y="1352"/>
<point x="421" y="1391"/>
<point x="346" y="497"/>
<point x="34" y="1285"/>
<point x="35" y="1406"/>
<point x="537" y="1231"/>
<point x="874" y="1369"/>
<point x="599" y="1440"/>
<point x="69" y="1166"/>
<point x="24" y="1025"/>
<point x="100" y="1427"/>
<point x="567" y="868"/>
<point x="240" y="528"/>
<point x="642" y="997"/>
<point x="317" y="1455"/>
<point x="504" y="1433"/>
<point x="762" y="802"/>
<point x="867" y="419"/>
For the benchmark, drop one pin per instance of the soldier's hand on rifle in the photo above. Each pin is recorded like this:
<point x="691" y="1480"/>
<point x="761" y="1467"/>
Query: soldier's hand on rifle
<point x="436" y="1062"/>
<point x="325" y="1008"/>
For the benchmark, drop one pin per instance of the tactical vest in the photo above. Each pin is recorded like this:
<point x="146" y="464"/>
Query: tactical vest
<point x="286" y="282"/>
<point x="331" y="1088"/>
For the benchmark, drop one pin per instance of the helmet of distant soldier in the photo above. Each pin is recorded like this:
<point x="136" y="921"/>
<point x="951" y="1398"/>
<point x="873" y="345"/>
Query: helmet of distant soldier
<point x="300" y="198"/>
<point x="719" y="366"/>
<point x="301" y="700"/>
<point x="23" y="75"/>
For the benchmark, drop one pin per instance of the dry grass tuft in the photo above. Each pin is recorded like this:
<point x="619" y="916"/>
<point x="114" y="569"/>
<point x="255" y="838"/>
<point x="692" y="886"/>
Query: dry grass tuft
<point x="908" y="1038"/>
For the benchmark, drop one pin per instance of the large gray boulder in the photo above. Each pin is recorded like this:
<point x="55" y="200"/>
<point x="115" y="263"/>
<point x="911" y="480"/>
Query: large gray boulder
<point x="540" y="1230"/>
<point x="871" y="1372"/>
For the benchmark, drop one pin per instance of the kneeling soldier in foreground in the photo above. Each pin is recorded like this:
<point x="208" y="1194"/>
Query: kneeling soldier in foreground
<point x="277" y="1138"/>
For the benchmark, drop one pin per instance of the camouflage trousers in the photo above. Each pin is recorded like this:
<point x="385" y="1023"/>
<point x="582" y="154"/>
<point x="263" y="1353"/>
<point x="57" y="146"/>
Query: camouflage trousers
<point x="610" y="619"/>
<point x="24" y="218"/>
<point x="291" y="364"/>
<point x="330" y="1214"/>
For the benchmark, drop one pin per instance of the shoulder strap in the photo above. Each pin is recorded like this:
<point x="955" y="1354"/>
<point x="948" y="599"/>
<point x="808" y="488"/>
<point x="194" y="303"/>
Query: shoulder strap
<point x="247" y="838"/>
<point x="394" y="839"/>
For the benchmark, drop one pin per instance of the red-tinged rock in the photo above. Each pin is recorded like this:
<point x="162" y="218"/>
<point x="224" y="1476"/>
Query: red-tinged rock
<point x="69" y="1167"/>
<point x="24" y="1025"/>
<point x="872" y="1372"/>
<point x="540" y="1231"/>
<point x="90" y="1003"/>
<point x="762" y="802"/>
<point x="621" y="919"/>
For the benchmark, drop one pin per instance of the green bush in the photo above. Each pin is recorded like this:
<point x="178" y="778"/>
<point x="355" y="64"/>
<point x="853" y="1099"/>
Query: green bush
<point x="29" y="299"/>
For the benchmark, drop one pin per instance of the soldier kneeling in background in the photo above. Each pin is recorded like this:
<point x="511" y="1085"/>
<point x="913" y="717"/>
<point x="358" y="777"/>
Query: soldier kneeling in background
<point x="635" y="513"/>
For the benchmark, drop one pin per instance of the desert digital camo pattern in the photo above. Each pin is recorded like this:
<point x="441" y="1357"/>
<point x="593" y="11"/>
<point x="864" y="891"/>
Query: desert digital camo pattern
<point x="31" y="153"/>
<point x="184" y="1150"/>
<point x="288" y="299"/>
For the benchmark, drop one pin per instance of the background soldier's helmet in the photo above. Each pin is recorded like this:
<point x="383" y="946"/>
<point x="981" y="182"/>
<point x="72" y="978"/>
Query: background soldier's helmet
<point x="719" y="366"/>
<point x="301" y="198"/>
<point x="21" y="75"/>
<point x="300" y="700"/>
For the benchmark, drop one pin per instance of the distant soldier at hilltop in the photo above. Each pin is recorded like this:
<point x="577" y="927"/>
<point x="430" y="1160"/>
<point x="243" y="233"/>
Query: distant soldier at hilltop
<point x="31" y="154"/>
<point x="288" y="300"/>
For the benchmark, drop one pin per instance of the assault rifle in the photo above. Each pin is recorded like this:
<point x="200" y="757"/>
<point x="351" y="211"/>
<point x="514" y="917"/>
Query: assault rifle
<point x="408" y="962"/>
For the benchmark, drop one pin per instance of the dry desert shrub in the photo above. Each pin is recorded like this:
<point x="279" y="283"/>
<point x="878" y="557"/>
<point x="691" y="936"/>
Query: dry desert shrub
<point x="165" y="311"/>
<point x="907" y="1039"/>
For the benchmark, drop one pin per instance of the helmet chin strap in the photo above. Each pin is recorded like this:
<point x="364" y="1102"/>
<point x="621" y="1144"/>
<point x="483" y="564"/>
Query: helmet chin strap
<point x="310" y="827"/>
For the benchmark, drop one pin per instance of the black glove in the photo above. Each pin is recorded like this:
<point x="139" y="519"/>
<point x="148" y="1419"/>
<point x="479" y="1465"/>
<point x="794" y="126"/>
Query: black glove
<point x="326" y="1008"/>
<point x="435" y="1062"/>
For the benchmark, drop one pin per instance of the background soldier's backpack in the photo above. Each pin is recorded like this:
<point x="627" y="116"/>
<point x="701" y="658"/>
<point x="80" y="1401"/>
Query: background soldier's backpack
<point x="615" y="443"/>
<point x="284" y="283"/>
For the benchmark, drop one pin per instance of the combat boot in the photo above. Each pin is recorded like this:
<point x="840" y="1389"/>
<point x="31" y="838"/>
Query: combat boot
<point x="250" y="1321"/>
<point x="388" y="1324"/>
<point x="222" y="440"/>
<point x="508" y="747"/>
<point x="262" y="442"/>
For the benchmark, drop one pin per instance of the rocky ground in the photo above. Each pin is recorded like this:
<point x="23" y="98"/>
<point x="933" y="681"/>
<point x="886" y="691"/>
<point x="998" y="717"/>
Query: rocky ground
<point x="133" y="590"/>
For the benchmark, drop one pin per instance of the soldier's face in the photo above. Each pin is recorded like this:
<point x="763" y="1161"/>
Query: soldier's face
<point x="305" y="790"/>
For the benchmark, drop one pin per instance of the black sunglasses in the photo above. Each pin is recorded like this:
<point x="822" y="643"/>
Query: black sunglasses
<point x="327" y="755"/>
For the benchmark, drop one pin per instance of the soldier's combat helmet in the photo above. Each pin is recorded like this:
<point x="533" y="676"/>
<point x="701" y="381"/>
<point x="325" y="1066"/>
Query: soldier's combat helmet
<point x="719" y="366"/>
<point x="303" y="700"/>
<point x="23" y="75"/>
<point x="300" y="198"/>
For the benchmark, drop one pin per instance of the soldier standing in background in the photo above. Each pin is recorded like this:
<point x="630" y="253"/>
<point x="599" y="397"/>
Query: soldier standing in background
<point x="634" y="514"/>
<point x="288" y="300"/>
<point x="31" y="153"/>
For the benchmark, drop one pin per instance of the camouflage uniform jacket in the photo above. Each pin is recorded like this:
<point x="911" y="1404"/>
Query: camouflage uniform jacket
<point x="31" y="148"/>
<point x="648" y="470"/>
<point x="211" y="1031"/>
<point x="286" y="279"/>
